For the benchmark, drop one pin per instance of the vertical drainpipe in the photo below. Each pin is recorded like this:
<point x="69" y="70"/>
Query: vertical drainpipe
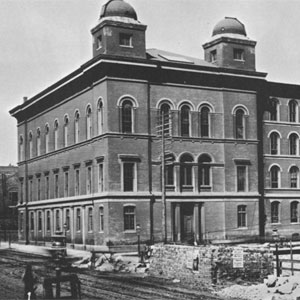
<point x="151" y="202"/>
<point x="26" y="181"/>
<point x="261" y="184"/>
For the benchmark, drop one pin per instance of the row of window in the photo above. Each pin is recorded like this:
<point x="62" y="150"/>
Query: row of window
<point x="293" y="111"/>
<point x="127" y="125"/>
<point x="275" y="177"/>
<point x="294" y="212"/>
<point x="293" y="140"/>
<point x="237" y="54"/>
<point x="61" y="220"/>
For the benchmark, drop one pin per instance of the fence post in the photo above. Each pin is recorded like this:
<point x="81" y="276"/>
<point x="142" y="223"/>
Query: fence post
<point x="292" y="262"/>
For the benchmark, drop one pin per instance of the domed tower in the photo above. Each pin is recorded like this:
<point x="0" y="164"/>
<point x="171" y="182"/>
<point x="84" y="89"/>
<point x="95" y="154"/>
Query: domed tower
<point x="118" y="31"/>
<point x="230" y="47"/>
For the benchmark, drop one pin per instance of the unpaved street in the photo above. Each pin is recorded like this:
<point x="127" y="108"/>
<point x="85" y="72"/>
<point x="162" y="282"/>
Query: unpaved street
<point x="94" y="285"/>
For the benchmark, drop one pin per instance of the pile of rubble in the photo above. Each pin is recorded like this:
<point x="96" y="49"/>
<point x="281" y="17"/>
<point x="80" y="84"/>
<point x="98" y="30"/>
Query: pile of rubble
<point x="112" y="263"/>
<point x="273" y="288"/>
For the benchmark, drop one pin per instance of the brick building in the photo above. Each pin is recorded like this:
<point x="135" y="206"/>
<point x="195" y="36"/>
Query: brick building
<point x="91" y="145"/>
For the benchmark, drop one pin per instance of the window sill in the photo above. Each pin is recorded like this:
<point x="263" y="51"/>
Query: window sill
<point x="130" y="231"/>
<point x="126" y="46"/>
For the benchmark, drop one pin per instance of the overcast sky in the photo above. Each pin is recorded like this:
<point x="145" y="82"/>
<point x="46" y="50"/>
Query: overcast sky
<point x="44" y="40"/>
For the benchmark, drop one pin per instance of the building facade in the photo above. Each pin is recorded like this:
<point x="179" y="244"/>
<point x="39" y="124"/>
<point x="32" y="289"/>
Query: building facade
<point x="93" y="146"/>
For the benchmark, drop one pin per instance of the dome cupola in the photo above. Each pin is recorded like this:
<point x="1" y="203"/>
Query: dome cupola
<point x="229" y="25"/>
<point x="118" y="8"/>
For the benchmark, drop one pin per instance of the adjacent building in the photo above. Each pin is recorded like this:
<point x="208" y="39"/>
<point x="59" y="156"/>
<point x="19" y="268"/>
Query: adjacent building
<point x="94" y="145"/>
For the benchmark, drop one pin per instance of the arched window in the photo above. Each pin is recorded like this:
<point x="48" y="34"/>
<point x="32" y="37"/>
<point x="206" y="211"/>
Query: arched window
<point x="127" y="116"/>
<point x="293" y="111"/>
<point x="38" y="142"/>
<point x="204" y="121"/>
<point x="89" y="122"/>
<point x="76" y="127"/>
<point x="55" y="135"/>
<point x="294" y="171"/>
<point x="21" y="147"/>
<point x="100" y="117"/>
<point x="30" y="139"/>
<point x="204" y="167"/>
<point x="293" y="143"/>
<point x="274" y="140"/>
<point x="186" y="171"/>
<point x="294" y="212"/>
<point x="240" y="124"/>
<point x="66" y="130"/>
<point x="47" y="138"/>
<point x="165" y="119"/>
<point x="185" y="120"/>
<point x="275" y="212"/>
<point x="169" y="169"/>
<point x="274" y="110"/>
<point x="275" y="177"/>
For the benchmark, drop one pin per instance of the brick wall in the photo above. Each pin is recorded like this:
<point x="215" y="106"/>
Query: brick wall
<point x="215" y="264"/>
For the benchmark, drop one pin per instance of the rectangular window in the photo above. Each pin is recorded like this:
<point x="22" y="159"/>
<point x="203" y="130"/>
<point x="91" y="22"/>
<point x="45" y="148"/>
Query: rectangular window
<point x="241" y="178"/>
<point x="90" y="219"/>
<point x="13" y="198"/>
<point x="129" y="218"/>
<point x="275" y="212"/>
<point x="56" y="186"/>
<point x="77" y="182"/>
<point x="99" y="42"/>
<point x="125" y="40"/>
<point x="100" y="178"/>
<point x="39" y="188"/>
<point x="89" y="180"/>
<point x="21" y="191"/>
<point x="78" y="219"/>
<point x="47" y="188"/>
<point x="40" y="221"/>
<point x="21" y="221"/>
<point x="66" y="184"/>
<point x="32" y="221"/>
<point x="128" y="177"/>
<point x="238" y="54"/>
<point x="67" y="219"/>
<point x="57" y="220"/>
<point x="242" y="214"/>
<point x="30" y="190"/>
<point x="101" y="218"/>
<point x="48" y="221"/>
<point x="213" y="55"/>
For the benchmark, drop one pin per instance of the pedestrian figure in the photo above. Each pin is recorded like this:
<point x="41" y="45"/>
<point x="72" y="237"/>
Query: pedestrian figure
<point x="29" y="283"/>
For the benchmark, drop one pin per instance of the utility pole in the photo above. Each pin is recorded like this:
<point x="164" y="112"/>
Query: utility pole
<point x="164" y="129"/>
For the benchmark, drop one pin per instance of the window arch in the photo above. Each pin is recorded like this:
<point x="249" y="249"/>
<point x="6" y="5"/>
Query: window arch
<point x="185" y="121"/>
<point x="89" y="122"/>
<point x="275" y="211"/>
<point x="47" y="129"/>
<point x="274" y="109"/>
<point x="293" y="144"/>
<point x="240" y="124"/>
<point x="186" y="171"/>
<point x="66" y="130"/>
<point x="275" y="177"/>
<point x="294" y="175"/>
<point x="127" y="116"/>
<point x="274" y="143"/>
<point x="293" y="111"/>
<point x="76" y="127"/>
<point x="100" y="116"/>
<point x="204" y="171"/>
<point x="30" y="139"/>
<point x="21" y="148"/>
<point x="205" y="121"/>
<point x="55" y="134"/>
<point x="38" y="142"/>
<point x="294" y="207"/>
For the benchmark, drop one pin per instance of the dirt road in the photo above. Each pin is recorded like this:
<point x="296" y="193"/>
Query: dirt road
<point x="94" y="285"/>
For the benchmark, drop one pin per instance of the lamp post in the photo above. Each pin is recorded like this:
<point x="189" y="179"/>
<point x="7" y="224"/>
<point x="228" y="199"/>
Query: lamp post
<point x="65" y="234"/>
<point x="275" y="237"/>
<point x="138" y="232"/>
